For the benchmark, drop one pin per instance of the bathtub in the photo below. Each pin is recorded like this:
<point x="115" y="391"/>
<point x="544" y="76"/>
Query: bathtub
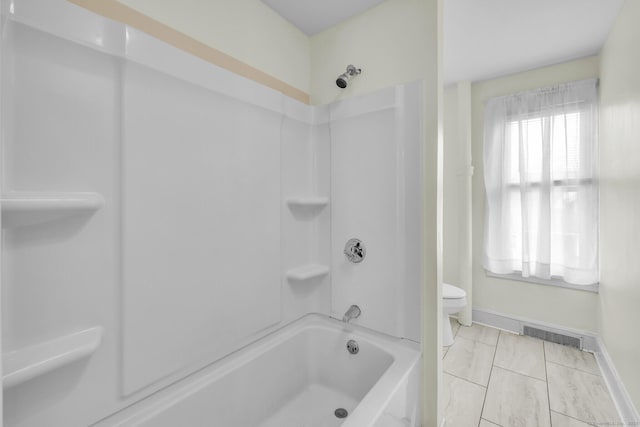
<point x="295" y="377"/>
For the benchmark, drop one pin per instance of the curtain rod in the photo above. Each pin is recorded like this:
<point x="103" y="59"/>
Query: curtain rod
<point x="552" y="88"/>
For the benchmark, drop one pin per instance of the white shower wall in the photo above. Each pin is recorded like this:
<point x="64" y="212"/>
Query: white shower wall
<point x="200" y="198"/>
<point x="375" y="178"/>
<point x="60" y="133"/>
<point x="305" y="154"/>
<point x="202" y="181"/>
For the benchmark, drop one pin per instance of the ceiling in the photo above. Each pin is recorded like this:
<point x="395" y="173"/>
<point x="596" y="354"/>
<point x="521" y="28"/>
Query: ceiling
<point x="484" y="39"/>
<point x="491" y="38"/>
<point x="314" y="16"/>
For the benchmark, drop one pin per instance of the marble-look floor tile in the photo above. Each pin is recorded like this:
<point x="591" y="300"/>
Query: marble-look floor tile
<point x="444" y="351"/>
<point x="470" y="360"/>
<point x="454" y="325"/>
<point x="516" y="400"/>
<point x="485" y="423"/>
<point x="571" y="357"/>
<point x="580" y="395"/>
<point x="524" y="355"/>
<point x="561" y="420"/>
<point x="461" y="401"/>
<point x="475" y="332"/>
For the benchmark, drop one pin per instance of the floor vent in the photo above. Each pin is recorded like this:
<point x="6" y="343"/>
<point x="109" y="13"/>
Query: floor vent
<point x="552" y="337"/>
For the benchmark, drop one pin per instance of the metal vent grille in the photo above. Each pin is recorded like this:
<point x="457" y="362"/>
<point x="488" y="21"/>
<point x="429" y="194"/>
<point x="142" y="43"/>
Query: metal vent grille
<point x="552" y="337"/>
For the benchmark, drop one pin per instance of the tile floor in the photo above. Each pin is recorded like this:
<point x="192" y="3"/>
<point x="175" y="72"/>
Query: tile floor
<point x="495" y="378"/>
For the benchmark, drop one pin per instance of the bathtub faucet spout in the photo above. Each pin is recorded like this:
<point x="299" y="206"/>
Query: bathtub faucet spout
<point x="353" y="313"/>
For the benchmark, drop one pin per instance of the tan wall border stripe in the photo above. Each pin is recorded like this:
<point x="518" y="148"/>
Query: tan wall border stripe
<point x="119" y="12"/>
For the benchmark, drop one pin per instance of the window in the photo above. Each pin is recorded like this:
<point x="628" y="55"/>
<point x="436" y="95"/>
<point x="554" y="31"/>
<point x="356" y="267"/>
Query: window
<point x="540" y="160"/>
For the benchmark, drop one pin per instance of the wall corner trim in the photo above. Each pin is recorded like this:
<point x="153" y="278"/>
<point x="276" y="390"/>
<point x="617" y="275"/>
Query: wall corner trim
<point x="117" y="11"/>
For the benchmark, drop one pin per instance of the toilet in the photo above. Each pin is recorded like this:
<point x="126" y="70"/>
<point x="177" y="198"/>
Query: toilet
<point x="454" y="300"/>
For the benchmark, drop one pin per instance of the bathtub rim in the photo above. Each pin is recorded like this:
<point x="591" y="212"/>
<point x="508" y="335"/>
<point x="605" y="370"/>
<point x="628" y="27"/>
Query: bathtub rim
<point x="405" y="354"/>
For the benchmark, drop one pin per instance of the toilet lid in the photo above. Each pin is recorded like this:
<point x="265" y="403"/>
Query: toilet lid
<point x="452" y="292"/>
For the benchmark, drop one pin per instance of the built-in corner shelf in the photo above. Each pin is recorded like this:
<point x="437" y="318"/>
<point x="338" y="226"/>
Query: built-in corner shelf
<point x="308" y="201"/>
<point x="29" y="208"/>
<point x="307" y="272"/>
<point x="22" y="365"/>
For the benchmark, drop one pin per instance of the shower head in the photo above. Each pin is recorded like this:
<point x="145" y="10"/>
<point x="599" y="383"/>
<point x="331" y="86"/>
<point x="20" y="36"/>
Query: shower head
<point x="343" y="79"/>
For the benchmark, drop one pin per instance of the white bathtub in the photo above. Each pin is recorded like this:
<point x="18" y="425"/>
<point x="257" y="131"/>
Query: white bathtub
<point x="295" y="377"/>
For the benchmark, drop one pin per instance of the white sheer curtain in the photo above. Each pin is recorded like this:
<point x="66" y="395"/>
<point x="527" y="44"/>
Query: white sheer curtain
<point x="540" y="171"/>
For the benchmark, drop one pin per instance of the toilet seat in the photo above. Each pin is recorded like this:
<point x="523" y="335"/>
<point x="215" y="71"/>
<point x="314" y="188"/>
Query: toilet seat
<point x="452" y="292"/>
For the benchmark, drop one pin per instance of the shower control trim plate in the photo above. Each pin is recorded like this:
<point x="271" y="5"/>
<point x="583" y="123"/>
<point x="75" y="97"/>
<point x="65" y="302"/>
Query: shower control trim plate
<point x="355" y="251"/>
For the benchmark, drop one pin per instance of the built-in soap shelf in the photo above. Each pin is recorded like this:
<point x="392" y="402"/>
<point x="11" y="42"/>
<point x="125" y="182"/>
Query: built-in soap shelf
<point x="307" y="272"/>
<point x="28" y="208"/>
<point x="307" y="201"/>
<point x="22" y="365"/>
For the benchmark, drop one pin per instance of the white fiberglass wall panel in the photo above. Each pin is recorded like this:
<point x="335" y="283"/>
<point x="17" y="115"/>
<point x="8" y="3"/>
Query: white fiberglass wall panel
<point x="61" y="104"/>
<point x="411" y="211"/>
<point x="362" y="179"/>
<point x="375" y="186"/>
<point x="201" y="215"/>
<point x="305" y="228"/>
<point x="72" y="111"/>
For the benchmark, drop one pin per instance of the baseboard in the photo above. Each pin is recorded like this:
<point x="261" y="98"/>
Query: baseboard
<point x="627" y="411"/>
<point x="514" y="324"/>
<point x="590" y="342"/>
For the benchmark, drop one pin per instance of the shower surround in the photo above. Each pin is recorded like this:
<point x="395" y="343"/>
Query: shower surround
<point x="161" y="213"/>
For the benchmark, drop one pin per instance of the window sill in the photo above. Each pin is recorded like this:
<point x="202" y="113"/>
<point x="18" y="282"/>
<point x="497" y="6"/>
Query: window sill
<point x="557" y="282"/>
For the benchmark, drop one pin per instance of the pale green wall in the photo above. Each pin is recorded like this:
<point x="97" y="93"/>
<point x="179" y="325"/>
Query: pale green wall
<point x="561" y="306"/>
<point x="381" y="41"/>
<point x="457" y="265"/>
<point x="248" y="30"/>
<point x="620" y="196"/>
<point x="452" y="184"/>
<point x="389" y="42"/>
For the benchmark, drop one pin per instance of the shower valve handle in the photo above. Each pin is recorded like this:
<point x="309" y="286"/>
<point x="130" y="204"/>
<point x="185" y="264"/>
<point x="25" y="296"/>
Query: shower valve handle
<point x="355" y="251"/>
